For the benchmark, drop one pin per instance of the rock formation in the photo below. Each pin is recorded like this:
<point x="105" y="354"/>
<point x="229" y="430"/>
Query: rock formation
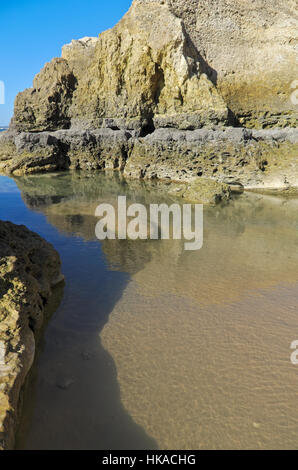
<point x="46" y="105"/>
<point x="29" y="268"/>
<point x="138" y="96"/>
<point x="142" y="70"/>
<point x="251" y="50"/>
<point x="254" y="159"/>
<point x="181" y="63"/>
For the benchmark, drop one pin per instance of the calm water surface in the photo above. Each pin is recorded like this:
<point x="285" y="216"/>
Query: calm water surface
<point x="156" y="347"/>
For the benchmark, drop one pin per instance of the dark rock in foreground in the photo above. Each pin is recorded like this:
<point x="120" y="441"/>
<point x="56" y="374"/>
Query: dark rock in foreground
<point x="29" y="268"/>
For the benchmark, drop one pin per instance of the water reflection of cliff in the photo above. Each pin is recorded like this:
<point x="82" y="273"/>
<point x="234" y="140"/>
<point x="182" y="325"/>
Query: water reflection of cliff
<point x="252" y="242"/>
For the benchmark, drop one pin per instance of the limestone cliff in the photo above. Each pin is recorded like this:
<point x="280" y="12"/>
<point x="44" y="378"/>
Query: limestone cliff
<point x="137" y="97"/>
<point x="29" y="267"/>
<point x="251" y="48"/>
<point x="173" y="63"/>
<point x="145" y="69"/>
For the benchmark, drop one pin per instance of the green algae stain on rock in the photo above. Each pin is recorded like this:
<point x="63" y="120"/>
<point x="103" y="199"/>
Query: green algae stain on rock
<point x="206" y="191"/>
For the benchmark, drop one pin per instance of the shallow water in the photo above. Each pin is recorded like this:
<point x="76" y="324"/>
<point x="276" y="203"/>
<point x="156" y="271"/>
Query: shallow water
<point x="156" y="347"/>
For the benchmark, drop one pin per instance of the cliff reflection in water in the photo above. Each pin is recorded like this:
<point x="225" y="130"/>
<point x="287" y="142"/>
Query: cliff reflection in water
<point x="251" y="242"/>
<point x="201" y="340"/>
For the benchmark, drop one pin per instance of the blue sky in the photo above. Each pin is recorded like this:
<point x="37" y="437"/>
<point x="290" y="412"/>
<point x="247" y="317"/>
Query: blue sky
<point x="32" y="32"/>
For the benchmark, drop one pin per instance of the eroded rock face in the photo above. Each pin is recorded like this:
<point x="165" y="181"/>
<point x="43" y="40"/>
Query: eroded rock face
<point x="254" y="159"/>
<point x="264" y="159"/>
<point x="45" y="107"/>
<point x="43" y="152"/>
<point x="164" y="93"/>
<point x="29" y="268"/>
<point x="173" y="63"/>
<point x="142" y="73"/>
<point x="251" y="48"/>
<point x="79" y="54"/>
<point x="145" y="69"/>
